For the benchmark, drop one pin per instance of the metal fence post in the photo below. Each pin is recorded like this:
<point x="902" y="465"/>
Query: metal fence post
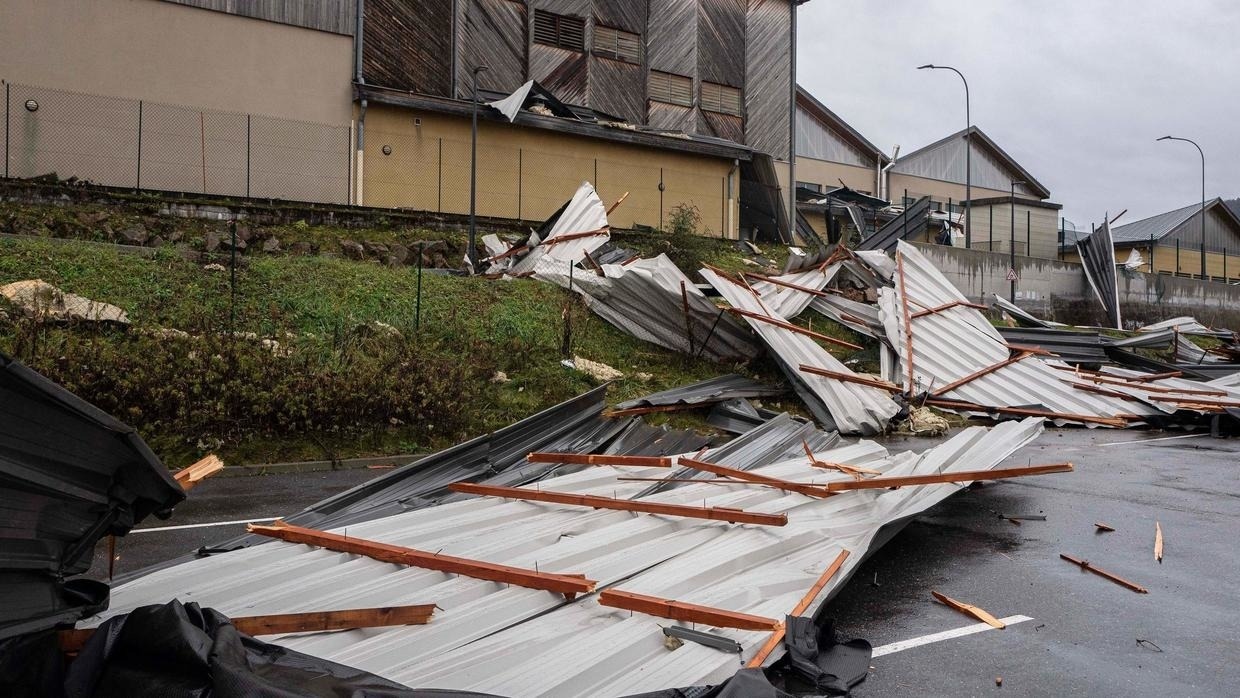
<point x="139" y="183"/>
<point x="1203" y="260"/>
<point x="991" y="232"/>
<point x="417" y="317"/>
<point x="439" y="201"/>
<point x="7" y="89"/>
<point x="596" y="173"/>
<point x="520" y="176"/>
<point x="247" y="156"/>
<point x="1152" y="250"/>
<point x="1177" y="257"/>
<point x="1028" y="234"/>
<point x="1224" y="265"/>
<point x="348" y="164"/>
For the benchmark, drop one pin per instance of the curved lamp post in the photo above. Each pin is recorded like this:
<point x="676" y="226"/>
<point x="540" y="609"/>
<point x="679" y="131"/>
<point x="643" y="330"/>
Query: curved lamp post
<point x="968" y="154"/>
<point x="473" y="173"/>
<point x="1203" y="198"/>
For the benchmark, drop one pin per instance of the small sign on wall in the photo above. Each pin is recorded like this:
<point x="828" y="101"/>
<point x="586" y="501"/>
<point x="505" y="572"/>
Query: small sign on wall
<point x="1012" y="275"/>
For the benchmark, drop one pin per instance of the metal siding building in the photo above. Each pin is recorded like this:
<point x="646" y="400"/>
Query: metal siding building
<point x="830" y="151"/>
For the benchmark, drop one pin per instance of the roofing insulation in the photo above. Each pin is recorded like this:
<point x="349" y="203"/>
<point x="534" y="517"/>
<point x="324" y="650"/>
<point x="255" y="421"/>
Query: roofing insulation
<point x="850" y="408"/>
<point x="647" y="299"/>
<point x="496" y="638"/>
<point x="717" y="389"/>
<point x="956" y="342"/>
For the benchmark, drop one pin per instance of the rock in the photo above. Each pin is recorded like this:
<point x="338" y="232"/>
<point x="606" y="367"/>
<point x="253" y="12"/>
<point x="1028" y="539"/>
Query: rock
<point x="214" y="267"/>
<point x="391" y="261"/>
<point x="212" y="242"/>
<point x="38" y="299"/>
<point x="594" y="369"/>
<point x="439" y="262"/>
<point x="301" y="248"/>
<point x="399" y="252"/>
<point x="271" y="244"/>
<point x="175" y="235"/>
<point x="352" y="250"/>
<point x="382" y="329"/>
<point x="157" y="241"/>
<point x="375" y="249"/>
<point x="644" y="377"/>
<point x="228" y="243"/>
<point x="244" y="234"/>
<point x="500" y="377"/>
<point x="433" y="246"/>
<point x="132" y="235"/>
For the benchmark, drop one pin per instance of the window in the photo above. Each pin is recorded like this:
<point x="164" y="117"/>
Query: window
<point x="810" y="185"/>
<point x="620" y="45"/>
<point x="561" y="31"/>
<point x="671" y="88"/>
<point x="721" y="99"/>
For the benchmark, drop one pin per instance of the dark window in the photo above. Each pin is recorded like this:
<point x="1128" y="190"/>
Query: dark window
<point x="620" y="45"/>
<point x="810" y="185"/>
<point x="721" y="99"/>
<point x="671" y="88"/>
<point x="563" y="31"/>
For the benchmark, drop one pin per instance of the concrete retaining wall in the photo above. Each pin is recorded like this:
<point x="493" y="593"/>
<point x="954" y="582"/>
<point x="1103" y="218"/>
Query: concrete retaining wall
<point x="1058" y="290"/>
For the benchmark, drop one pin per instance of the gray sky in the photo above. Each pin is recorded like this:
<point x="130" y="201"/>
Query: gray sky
<point x="1074" y="90"/>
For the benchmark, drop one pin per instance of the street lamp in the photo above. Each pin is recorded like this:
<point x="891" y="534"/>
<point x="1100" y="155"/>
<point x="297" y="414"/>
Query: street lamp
<point x="472" y="252"/>
<point x="968" y="153"/>
<point x="1203" y="198"/>
<point x="1012" y="244"/>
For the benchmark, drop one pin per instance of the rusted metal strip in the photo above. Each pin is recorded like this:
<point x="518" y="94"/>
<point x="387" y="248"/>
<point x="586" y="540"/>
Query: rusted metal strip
<point x="791" y="327"/>
<point x="635" y="505"/>
<point x="619" y="201"/>
<point x="605" y="230"/>
<point x="600" y="459"/>
<point x="936" y="478"/>
<point x="946" y="306"/>
<point x="851" y="378"/>
<point x="803" y="605"/>
<point x="532" y="579"/>
<point x="979" y="373"/>
<point x="1087" y="566"/>
<point x="800" y="488"/>
<point x="785" y="284"/>
<point x="684" y="612"/>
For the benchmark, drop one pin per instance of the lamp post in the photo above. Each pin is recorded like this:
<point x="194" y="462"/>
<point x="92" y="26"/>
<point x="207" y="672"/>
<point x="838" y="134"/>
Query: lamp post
<point x="1203" y="198"/>
<point x="968" y="154"/>
<point x="1012" y="243"/>
<point x="472" y="252"/>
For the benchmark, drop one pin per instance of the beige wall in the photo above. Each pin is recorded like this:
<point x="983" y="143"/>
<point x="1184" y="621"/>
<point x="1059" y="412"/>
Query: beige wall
<point x="529" y="173"/>
<point x="1190" y="262"/>
<point x="1042" y="239"/>
<point x="939" y="190"/>
<point x="829" y="174"/>
<point x="164" y="52"/>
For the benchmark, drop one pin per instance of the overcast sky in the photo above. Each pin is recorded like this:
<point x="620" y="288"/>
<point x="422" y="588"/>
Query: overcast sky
<point x="1074" y="90"/>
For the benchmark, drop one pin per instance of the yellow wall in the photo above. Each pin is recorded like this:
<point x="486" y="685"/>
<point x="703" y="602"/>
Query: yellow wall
<point x="1042" y="239"/>
<point x="919" y="186"/>
<point x="1190" y="262"/>
<point x="528" y="173"/>
<point x="164" y="52"/>
<point x="829" y="174"/>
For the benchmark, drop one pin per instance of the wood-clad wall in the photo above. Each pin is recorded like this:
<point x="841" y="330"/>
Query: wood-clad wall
<point x="616" y="87"/>
<point x="491" y="33"/>
<point x="407" y="44"/>
<point x="768" y="72"/>
<point x="335" y="16"/>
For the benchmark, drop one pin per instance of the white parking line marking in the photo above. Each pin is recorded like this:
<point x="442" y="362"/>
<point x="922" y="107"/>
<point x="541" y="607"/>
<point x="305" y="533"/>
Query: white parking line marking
<point x="1161" y="438"/>
<point x="945" y="635"/>
<point x="201" y="525"/>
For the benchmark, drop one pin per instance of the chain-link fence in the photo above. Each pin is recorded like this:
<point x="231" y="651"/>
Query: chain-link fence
<point x="150" y="145"/>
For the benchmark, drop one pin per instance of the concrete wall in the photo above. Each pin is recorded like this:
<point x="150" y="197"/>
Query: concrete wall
<point x="1058" y="290"/>
<point x="529" y="173"/>
<point x="165" y="52"/>
<point x="1218" y="267"/>
<point x="829" y="174"/>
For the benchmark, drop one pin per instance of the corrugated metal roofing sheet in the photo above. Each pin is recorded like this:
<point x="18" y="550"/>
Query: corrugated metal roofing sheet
<point x="717" y="389"/>
<point x="1155" y="227"/>
<point x="515" y="641"/>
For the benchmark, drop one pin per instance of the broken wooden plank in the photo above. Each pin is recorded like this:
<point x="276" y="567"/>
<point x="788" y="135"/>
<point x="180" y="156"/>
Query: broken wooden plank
<point x="792" y="328"/>
<point x="785" y="284"/>
<point x="961" y="476"/>
<point x="798" y="487"/>
<point x="191" y="475"/>
<point x="684" y="612"/>
<point x="851" y="378"/>
<point x="964" y="380"/>
<point x="600" y="459"/>
<point x="531" y="579"/>
<point x="310" y="622"/>
<point x="1103" y="527"/>
<point x="1158" y="542"/>
<point x="635" y="505"/>
<point x="776" y="637"/>
<point x="853" y="470"/>
<point x="948" y="306"/>
<point x="969" y="610"/>
<point x="1085" y="565"/>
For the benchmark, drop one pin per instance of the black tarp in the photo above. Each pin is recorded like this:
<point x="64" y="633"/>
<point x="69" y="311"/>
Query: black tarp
<point x="69" y="475"/>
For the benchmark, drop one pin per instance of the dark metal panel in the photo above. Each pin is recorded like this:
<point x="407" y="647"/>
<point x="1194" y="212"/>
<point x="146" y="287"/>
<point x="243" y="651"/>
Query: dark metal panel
<point x="1097" y="253"/>
<point x="908" y="225"/>
<point x="1221" y="231"/>
<point x="335" y="16"/>
<point x="629" y="15"/>
<point x="768" y="74"/>
<point x="490" y="33"/>
<point x="618" y="88"/>
<point x="408" y="45"/>
<point x="721" y="41"/>
<point x="561" y="71"/>
<point x="671" y="45"/>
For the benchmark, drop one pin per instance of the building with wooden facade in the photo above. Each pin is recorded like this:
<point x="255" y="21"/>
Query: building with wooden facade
<point x="1175" y="242"/>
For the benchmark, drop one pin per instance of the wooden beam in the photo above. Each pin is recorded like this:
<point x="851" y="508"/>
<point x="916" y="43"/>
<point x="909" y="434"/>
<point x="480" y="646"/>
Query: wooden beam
<point x="311" y="622"/>
<point x="1103" y="528"/>
<point x="651" y="409"/>
<point x="854" y="470"/>
<point x="969" y="610"/>
<point x="851" y="378"/>
<point x="801" y="488"/>
<point x="979" y="373"/>
<point x="191" y="475"/>
<point x="947" y="306"/>
<point x="532" y="579"/>
<point x="618" y="202"/>
<point x="964" y="406"/>
<point x="773" y="641"/>
<point x="1085" y="565"/>
<point x="1158" y="542"/>
<point x="600" y="459"/>
<point x="575" y="236"/>
<point x="791" y="327"/>
<point x="637" y="505"/>
<point x="684" y="612"/>
<point x="876" y="483"/>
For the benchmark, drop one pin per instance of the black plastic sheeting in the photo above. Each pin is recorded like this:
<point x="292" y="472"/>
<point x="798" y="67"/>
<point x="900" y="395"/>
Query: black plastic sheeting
<point x="69" y="475"/>
<point x="185" y="650"/>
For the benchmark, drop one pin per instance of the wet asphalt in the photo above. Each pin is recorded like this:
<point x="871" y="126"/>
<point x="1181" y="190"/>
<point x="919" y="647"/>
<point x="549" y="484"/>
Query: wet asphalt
<point x="1083" y="639"/>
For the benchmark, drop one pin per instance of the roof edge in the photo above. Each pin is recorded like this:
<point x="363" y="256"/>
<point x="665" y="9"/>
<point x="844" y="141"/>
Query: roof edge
<point x="991" y="145"/>
<point x="847" y="129"/>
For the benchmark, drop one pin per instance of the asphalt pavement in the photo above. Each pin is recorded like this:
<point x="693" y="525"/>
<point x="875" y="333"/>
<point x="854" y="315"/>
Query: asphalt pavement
<point x="1085" y="635"/>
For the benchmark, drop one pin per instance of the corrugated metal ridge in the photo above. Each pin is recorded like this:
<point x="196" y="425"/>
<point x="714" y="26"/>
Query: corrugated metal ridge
<point x="717" y="389"/>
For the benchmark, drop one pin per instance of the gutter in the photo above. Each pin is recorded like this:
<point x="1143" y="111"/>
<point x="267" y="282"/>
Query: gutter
<point x="884" y="175"/>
